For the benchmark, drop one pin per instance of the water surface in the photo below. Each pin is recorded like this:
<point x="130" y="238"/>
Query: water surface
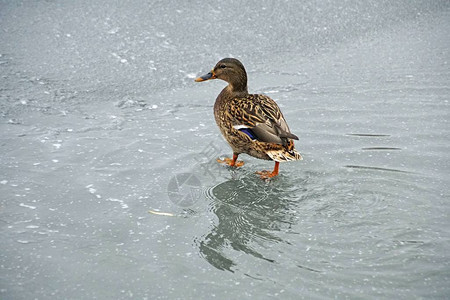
<point x="109" y="184"/>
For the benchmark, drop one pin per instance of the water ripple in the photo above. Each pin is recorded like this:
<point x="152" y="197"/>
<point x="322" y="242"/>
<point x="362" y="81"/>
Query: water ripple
<point x="368" y="135"/>
<point x="375" y="168"/>
<point x="381" y="148"/>
<point x="250" y="215"/>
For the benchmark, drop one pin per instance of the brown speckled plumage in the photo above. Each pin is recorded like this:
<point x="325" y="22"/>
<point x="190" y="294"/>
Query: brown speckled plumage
<point x="251" y="123"/>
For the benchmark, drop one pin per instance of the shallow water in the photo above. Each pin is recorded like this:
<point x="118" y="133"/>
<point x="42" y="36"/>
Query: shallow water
<point x="109" y="185"/>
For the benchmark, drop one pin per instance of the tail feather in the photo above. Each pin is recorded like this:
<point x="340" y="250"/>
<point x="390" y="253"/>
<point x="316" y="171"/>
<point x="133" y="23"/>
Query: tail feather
<point x="284" y="155"/>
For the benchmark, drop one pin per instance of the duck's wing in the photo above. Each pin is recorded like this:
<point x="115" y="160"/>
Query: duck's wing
<point x="259" y="117"/>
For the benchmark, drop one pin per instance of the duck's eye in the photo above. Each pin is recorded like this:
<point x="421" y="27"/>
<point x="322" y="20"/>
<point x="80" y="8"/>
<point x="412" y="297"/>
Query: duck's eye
<point x="222" y="66"/>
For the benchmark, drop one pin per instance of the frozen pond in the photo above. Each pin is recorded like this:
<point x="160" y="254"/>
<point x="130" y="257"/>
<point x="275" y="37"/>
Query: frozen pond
<point x="109" y="187"/>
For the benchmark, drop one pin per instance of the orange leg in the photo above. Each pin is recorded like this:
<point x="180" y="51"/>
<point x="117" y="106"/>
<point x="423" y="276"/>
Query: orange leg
<point x="268" y="174"/>
<point x="231" y="162"/>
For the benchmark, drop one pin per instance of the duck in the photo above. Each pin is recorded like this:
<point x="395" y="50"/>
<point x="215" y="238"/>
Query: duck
<point x="252" y="124"/>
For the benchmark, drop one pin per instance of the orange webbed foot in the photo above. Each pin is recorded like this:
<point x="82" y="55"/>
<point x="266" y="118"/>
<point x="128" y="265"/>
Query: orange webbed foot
<point x="266" y="174"/>
<point x="269" y="174"/>
<point x="231" y="162"/>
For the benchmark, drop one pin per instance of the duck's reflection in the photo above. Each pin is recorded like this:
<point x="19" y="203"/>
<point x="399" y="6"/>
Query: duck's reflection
<point x="250" y="214"/>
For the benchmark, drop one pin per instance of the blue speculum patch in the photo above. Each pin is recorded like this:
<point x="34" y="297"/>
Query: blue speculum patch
<point x="248" y="132"/>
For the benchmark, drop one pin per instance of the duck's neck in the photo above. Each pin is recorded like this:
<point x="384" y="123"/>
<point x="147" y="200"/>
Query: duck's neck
<point x="238" y="85"/>
<point x="237" y="89"/>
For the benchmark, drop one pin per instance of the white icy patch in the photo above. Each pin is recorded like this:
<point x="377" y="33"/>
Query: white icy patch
<point x="13" y="121"/>
<point x="93" y="191"/>
<point x="114" y="30"/>
<point x="4" y="181"/>
<point x="27" y="206"/>
<point x="121" y="59"/>
<point x="32" y="226"/>
<point x="122" y="203"/>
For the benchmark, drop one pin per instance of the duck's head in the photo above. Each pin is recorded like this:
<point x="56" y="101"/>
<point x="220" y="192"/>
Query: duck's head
<point x="230" y="70"/>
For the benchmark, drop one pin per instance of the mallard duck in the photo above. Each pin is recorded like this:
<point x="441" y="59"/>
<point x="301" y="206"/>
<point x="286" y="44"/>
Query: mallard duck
<point x="251" y="123"/>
